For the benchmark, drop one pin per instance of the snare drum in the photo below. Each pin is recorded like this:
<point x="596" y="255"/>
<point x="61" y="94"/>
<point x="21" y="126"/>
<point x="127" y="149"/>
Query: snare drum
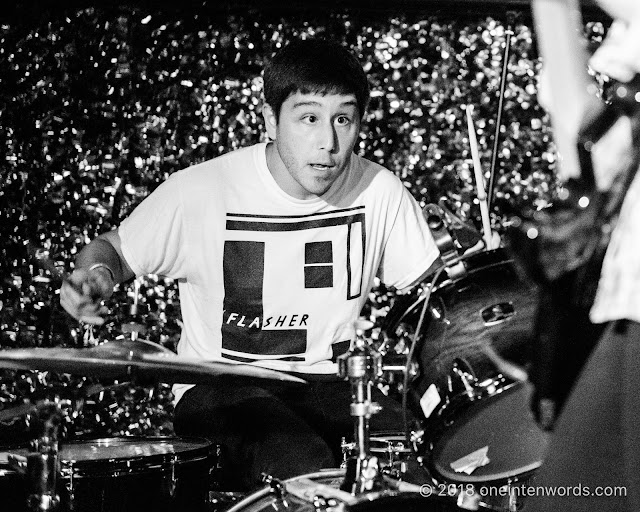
<point x="315" y="490"/>
<point x="476" y="340"/>
<point x="125" y="474"/>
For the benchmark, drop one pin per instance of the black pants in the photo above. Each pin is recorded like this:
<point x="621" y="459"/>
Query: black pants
<point x="595" y="448"/>
<point x="564" y="340"/>
<point x="280" y="430"/>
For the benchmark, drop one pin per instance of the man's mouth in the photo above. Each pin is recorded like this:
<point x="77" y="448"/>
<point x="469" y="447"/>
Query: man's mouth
<point x="322" y="167"/>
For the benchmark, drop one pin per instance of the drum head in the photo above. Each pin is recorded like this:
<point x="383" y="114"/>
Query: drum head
<point x="504" y="424"/>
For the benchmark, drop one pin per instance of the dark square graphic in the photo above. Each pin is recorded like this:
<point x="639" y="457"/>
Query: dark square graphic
<point x="318" y="252"/>
<point x="318" y="277"/>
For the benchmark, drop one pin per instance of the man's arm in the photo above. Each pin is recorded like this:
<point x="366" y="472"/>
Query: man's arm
<point x="437" y="263"/>
<point x="99" y="267"/>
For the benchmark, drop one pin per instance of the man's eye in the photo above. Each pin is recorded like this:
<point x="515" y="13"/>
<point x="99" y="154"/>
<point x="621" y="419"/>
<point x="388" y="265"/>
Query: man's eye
<point x="310" y="118"/>
<point x="343" y="120"/>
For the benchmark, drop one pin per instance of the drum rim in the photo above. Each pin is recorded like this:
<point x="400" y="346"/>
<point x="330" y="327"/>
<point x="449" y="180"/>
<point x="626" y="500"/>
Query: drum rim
<point x="133" y="464"/>
<point x="500" y="254"/>
<point x="415" y="299"/>
<point x="361" y="501"/>
<point x="496" y="478"/>
<point x="260" y="493"/>
<point x="389" y="438"/>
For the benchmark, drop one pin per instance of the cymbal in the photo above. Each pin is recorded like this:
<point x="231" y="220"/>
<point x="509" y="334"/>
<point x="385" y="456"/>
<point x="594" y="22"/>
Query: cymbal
<point x="134" y="359"/>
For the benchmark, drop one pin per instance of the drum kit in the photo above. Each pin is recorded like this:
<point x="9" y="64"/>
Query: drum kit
<point x="463" y="339"/>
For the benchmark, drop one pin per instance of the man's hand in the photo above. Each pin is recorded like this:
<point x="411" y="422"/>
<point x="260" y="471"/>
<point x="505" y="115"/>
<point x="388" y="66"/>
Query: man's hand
<point x="82" y="293"/>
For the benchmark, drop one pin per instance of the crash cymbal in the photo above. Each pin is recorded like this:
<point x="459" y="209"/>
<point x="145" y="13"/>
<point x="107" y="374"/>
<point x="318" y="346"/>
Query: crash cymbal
<point x="133" y="359"/>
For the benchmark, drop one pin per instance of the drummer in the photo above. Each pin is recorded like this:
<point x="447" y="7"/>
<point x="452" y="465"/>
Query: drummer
<point x="275" y="248"/>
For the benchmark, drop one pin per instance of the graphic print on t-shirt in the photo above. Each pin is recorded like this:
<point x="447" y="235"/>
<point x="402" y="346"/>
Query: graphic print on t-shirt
<point x="275" y="263"/>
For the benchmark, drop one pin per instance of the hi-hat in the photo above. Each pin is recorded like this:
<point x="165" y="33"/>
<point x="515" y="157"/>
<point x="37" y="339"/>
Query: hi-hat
<point x="133" y="359"/>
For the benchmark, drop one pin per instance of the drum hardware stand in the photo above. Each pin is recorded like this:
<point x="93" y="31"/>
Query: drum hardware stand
<point x="395" y="363"/>
<point x="441" y="222"/>
<point x="445" y="242"/>
<point x="464" y="233"/>
<point x="42" y="461"/>
<point x="362" y="366"/>
<point x="400" y="367"/>
<point x="134" y="328"/>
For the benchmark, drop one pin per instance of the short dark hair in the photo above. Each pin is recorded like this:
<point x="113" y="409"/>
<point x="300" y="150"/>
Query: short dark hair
<point x="314" y="66"/>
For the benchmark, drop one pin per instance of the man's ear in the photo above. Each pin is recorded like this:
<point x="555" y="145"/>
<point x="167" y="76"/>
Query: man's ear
<point x="270" y="120"/>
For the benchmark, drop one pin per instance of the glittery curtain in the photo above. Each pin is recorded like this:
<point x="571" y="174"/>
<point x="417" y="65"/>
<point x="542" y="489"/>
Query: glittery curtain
<point x="99" y="106"/>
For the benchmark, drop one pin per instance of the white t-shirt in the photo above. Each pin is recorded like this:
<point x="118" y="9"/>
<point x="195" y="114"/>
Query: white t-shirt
<point x="267" y="278"/>
<point x="618" y="296"/>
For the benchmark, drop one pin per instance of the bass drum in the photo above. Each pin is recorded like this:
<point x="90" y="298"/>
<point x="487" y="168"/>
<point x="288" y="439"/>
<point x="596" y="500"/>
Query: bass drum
<point x="121" y="474"/>
<point x="321" y="491"/>
<point x="470" y="397"/>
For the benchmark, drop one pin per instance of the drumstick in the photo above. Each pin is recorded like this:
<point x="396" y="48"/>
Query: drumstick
<point x="477" y="169"/>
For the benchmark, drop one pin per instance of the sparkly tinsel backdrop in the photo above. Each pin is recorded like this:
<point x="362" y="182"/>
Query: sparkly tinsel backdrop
<point x="99" y="106"/>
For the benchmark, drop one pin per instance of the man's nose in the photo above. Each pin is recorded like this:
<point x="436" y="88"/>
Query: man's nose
<point x="327" y="138"/>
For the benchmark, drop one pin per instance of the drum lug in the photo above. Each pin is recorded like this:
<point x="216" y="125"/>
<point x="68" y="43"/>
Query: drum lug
<point x="417" y="438"/>
<point x="276" y="486"/>
<point x="173" y="482"/>
<point x="347" y="449"/>
<point x="513" y="502"/>
<point x="70" y="487"/>
<point x="467" y="500"/>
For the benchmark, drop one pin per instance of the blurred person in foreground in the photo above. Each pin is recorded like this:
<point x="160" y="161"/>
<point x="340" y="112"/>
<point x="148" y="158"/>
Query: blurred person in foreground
<point x="593" y="462"/>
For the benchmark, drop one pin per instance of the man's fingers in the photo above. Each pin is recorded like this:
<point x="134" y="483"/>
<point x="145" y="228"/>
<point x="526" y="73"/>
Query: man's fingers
<point x="84" y="310"/>
<point x="75" y="299"/>
<point x="82" y="302"/>
<point x="82" y="293"/>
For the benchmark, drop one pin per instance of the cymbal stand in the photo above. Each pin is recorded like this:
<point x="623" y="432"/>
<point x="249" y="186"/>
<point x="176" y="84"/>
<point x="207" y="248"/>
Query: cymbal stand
<point x="135" y="328"/>
<point x="42" y="460"/>
<point x="362" y="366"/>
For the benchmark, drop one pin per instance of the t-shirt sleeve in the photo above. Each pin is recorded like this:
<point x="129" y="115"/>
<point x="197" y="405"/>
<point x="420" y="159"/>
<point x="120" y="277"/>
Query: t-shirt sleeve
<point x="153" y="238"/>
<point x="410" y="248"/>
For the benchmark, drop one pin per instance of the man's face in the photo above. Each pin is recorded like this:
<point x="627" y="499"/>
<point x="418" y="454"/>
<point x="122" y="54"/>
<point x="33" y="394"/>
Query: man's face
<point x="314" y="140"/>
